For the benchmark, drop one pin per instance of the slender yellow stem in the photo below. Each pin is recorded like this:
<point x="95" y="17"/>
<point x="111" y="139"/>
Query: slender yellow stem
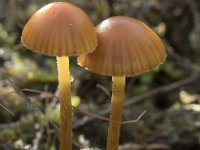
<point x="116" y="112"/>
<point x="65" y="103"/>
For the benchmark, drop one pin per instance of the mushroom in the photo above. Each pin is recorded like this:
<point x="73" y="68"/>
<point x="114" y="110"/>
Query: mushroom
<point x="61" y="29"/>
<point x="126" y="47"/>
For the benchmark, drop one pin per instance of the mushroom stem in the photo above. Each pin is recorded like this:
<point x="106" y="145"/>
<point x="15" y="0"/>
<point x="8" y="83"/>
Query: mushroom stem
<point x="65" y="103"/>
<point x="116" y="112"/>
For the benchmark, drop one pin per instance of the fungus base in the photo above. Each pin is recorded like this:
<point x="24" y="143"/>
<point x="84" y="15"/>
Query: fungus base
<point x="65" y="103"/>
<point x="116" y="112"/>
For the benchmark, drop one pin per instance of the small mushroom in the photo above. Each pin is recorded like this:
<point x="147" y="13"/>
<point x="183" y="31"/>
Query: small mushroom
<point x="61" y="29"/>
<point x="126" y="47"/>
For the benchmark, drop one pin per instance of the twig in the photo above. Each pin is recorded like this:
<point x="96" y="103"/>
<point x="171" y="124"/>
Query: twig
<point x="4" y="94"/>
<point x="90" y="114"/>
<point x="20" y="92"/>
<point x="183" y="61"/>
<point x="8" y="110"/>
<point x="78" y="145"/>
<point x="2" y="126"/>
<point x="78" y="110"/>
<point x="136" y="120"/>
<point x="194" y="10"/>
<point x="137" y="99"/>
<point x="75" y="108"/>
<point x="37" y="139"/>
<point x="104" y="89"/>
<point x="140" y="98"/>
<point x="162" y="89"/>
<point x="29" y="102"/>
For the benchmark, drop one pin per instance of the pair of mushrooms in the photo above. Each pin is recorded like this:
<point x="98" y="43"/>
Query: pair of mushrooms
<point x="119" y="46"/>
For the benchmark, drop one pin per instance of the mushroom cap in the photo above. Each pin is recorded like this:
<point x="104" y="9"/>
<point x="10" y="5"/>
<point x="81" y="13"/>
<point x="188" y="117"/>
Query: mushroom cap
<point x="60" y="29"/>
<point x="126" y="47"/>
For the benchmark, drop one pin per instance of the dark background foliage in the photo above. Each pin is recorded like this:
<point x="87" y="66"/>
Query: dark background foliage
<point x="29" y="109"/>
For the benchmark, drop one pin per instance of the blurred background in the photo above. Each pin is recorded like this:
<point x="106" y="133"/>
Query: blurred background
<point x="29" y="108"/>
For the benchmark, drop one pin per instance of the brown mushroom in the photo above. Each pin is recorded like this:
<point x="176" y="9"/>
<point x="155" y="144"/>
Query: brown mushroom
<point x="61" y="29"/>
<point x="126" y="47"/>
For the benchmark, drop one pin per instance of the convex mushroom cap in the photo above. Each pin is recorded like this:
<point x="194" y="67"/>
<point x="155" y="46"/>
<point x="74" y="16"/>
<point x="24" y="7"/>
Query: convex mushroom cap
<point x="126" y="47"/>
<point x="60" y="29"/>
